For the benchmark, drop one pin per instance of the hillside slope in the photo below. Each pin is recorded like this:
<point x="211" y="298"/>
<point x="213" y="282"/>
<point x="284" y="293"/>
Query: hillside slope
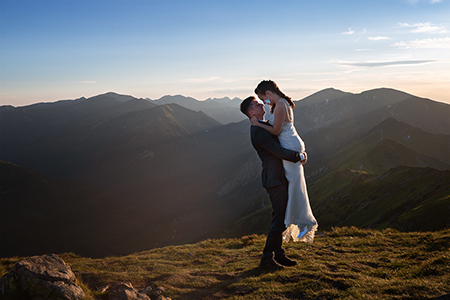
<point x="224" y="110"/>
<point x="39" y="214"/>
<point x="344" y="263"/>
<point x="389" y="144"/>
<point x="360" y="112"/>
<point x="405" y="198"/>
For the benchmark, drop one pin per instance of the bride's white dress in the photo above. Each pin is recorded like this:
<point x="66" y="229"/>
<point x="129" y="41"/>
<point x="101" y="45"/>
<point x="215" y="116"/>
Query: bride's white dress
<point x="300" y="222"/>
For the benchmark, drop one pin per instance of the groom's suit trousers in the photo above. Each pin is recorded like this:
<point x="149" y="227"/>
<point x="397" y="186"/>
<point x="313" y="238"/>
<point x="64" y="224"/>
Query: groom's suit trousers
<point x="279" y="198"/>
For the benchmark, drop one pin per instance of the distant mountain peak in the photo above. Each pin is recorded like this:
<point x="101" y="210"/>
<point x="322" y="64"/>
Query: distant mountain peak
<point x="110" y="94"/>
<point x="330" y="89"/>
<point x="119" y="97"/>
<point x="386" y="93"/>
<point x="219" y="99"/>
<point x="325" y="95"/>
<point x="175" y="99"/>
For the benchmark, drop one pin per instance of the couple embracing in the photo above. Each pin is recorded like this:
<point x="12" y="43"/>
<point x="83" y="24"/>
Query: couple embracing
<point x="282" y="153"/>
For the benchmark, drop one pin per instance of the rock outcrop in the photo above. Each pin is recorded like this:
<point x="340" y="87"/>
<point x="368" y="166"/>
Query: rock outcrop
<point x="126" y="291"/>
<point x="41" y="277"/>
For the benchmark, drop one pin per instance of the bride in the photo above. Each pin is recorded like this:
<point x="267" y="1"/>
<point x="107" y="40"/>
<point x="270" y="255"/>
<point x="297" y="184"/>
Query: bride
<point x="299" y="219"/>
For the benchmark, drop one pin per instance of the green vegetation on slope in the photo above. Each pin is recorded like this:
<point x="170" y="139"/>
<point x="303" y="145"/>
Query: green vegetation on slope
<point x="404" y="198"/>
<point x="344" y="263"/>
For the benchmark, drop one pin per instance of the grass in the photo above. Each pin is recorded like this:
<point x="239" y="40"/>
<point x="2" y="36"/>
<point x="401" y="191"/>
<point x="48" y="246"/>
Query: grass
<point x="343" y="263"/>
<point x="406" y="198"/>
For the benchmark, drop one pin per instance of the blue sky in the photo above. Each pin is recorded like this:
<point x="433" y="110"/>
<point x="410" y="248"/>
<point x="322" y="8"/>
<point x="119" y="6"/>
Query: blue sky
<point x="65" y="49"/>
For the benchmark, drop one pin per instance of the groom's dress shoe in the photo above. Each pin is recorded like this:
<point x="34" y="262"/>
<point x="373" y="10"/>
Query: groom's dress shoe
<point x="285" y="261"/>
<point x="270" y="265"/>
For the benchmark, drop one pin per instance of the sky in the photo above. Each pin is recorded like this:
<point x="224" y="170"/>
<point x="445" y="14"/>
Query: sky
<point x="66" y="49"/>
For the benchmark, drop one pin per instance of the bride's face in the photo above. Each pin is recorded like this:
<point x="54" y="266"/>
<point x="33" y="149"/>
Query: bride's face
<point x="265" y="98"/>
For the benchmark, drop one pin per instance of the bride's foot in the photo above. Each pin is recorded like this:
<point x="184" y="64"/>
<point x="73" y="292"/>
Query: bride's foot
<point x="303" y="232"/>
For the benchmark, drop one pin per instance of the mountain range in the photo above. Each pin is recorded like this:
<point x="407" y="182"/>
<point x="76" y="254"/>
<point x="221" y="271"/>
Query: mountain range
<point x="120" y="174"/>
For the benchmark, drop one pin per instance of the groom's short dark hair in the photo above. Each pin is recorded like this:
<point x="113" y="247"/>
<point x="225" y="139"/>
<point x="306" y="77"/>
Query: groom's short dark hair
<point x="246" y="104"/>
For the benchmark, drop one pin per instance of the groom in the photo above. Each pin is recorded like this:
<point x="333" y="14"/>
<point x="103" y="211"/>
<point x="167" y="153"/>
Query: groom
<point x="274" y="181"/>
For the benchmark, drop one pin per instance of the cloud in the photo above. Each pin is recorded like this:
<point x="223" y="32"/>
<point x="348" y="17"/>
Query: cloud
<point x="349" y="32"/>
<point x="378" y="38"/>
<point x="231" y="91"/>
<point x="424" y="28"/>
<point x="414" y="2"/>
<point x="382" y="63"/>
<point x="200" y="80"/>
<point x="436" y="43"/>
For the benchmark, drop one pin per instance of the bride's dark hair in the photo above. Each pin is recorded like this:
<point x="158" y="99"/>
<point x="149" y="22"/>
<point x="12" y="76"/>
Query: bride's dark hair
<point x="269" y="85"/>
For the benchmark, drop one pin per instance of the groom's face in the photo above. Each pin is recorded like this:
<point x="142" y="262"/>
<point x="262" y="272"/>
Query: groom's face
<point x="257" y="109"/>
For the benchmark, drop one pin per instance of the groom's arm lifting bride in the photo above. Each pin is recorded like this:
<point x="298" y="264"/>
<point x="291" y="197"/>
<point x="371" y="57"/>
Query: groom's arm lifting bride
<point x="274" y="181"/>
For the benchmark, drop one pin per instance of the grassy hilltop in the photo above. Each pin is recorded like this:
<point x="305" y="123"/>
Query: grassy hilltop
<point x="343" y="263"/>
